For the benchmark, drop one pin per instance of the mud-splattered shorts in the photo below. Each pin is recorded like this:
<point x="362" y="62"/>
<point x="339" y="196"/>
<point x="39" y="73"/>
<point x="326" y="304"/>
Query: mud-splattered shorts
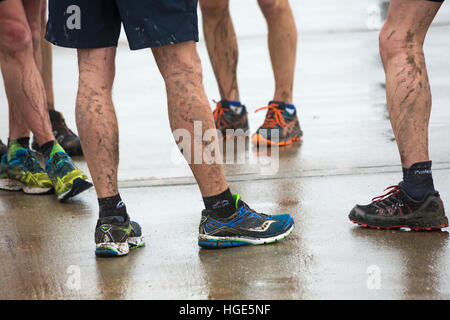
<point x="96" y="23"/>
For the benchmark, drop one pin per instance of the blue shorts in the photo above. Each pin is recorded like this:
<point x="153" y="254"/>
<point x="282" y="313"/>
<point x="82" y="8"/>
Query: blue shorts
<point x="87" y="24"/>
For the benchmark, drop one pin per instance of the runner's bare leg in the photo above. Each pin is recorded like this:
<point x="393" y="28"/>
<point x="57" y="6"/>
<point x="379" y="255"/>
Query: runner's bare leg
<point x="407" y="86"/>
<point x="282" y="46"/>
<point x="19" y="25"/>
<point x="96" y="118"/>
<point x="221" y="42"/>
<point x="181" y="69"/>
<point x="47" y="62"/>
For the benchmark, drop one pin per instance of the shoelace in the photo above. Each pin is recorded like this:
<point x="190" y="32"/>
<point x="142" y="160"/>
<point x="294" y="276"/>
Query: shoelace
<point x="218" y="113"/>
<point x="31" y="162"/>
<point x="392" y="191"/>
<point x="252" y="212"/>
<point x="274" y="116"/>
<point x="62" y="164"/>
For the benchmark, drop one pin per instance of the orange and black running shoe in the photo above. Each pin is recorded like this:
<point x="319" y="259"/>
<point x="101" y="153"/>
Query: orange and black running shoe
<point x="396" y="209"/>
<point x="281" y="126"/>
<point x="231" y="121"/>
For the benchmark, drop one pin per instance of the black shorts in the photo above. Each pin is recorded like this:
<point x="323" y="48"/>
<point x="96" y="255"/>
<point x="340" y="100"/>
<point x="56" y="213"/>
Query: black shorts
<point x="86" y="24"/>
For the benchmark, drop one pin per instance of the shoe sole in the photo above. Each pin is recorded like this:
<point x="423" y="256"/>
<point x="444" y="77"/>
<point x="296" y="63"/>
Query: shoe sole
<point x="110" y="249"/>
<point x="78" y="186"/>
<point x="259" y="139"/>
<point x="14" y="185"/>
<point x="211" y="242"/>
<point x="421" y="221"/>
<point x="135" y="242"/>
<point x="413" y="227"/>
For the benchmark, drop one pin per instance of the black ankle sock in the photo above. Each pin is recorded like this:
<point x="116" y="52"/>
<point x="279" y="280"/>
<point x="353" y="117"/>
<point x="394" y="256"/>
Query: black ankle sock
<point x="46" y="149"/>
<point x="24" y="142"/>
<point x="418" y="180"/>
<point x="112" y="206"/>
<point x="222" y="204"/>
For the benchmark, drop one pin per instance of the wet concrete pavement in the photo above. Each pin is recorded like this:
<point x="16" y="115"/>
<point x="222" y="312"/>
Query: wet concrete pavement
<point x="348" y="155"/>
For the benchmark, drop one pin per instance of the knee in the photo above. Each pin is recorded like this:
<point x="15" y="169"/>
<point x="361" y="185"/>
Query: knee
<point x="15" y="38"/>
<point x="273" y="7"/>
<point x="213" y="8"/>
<point x="178" y="62"/>
<point x="394" y="44"/>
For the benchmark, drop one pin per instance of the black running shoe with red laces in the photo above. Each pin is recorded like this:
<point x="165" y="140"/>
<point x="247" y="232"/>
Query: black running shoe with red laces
<point x="65" y="137"/>
<point x="233" y="119"/>
<point x="281" y="126"/>
<point x="396" y="209"/>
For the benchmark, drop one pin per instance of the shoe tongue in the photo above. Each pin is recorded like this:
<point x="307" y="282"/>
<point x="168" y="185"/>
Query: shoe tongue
<point x="279" y="105"/>
<point x="238" y="203"/>
<point x="56" y="148"/>
<point x="237" y="198"/>
<point x="225" y="104"/>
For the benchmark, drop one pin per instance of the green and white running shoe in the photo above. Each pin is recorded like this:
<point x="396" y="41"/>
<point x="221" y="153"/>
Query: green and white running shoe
<point x="20" y="170"/>
<point x="67" y="179"/>
<point x="115" y="236"/>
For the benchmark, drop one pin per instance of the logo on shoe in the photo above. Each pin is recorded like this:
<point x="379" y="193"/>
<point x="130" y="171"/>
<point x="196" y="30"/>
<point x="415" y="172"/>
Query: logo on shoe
<point x="264" y="227"/>
<point x="120" y="204"/>
<point x="236" y="110"/>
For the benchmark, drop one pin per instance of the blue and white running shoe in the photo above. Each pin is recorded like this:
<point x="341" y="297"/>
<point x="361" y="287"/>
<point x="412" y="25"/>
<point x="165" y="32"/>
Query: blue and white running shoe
<point x="244" y="227"/>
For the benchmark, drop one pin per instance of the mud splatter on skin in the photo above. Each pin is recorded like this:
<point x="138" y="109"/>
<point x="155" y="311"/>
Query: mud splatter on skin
<point x="218" y="30"/>
<point x="181" y="69"/>
<point x="410" y="101"/>
<point x="26" y="89"/>
<point x="391" y="34"/>
<point x="409" y="36"/>
<point x="96" y="119"/>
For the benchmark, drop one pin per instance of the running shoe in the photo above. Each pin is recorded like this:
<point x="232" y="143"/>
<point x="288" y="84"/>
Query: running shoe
<point x="67" y="179"/>
<point x="20" y="170"/>
<point x="5" y="182"/>
<point x="65" y="137"/>
<point x="230" y="117"/>
<point x="116" y="236"/>
<point x="3" y="148"/>
<point x="396" y="209"/>
<point x="281" y="120"/>
<point x="244" y="227"/>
